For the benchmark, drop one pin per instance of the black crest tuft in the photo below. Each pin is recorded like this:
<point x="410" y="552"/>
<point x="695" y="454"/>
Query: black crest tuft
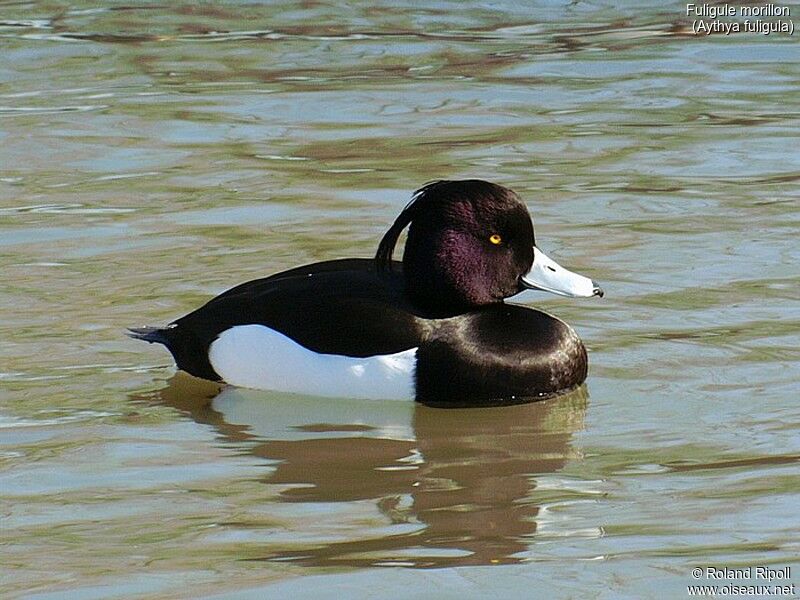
<point x="383" y="257"/>
<point x="439" y="191"/>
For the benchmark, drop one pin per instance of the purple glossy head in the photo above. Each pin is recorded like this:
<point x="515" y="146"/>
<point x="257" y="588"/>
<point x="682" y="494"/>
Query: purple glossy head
<point x="469" y="243"/>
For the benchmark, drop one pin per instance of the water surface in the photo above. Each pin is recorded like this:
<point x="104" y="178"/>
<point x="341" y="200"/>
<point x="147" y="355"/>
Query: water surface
<point x="152" y="156"/>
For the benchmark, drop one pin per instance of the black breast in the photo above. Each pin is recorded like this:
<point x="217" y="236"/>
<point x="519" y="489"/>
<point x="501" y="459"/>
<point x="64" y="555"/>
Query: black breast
<point x="501" y="354"/>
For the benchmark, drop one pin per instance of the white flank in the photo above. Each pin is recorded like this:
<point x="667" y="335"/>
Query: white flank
<point x="255" y="356"/>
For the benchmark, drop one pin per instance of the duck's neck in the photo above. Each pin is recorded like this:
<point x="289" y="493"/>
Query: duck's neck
<point x="435" y="298"/>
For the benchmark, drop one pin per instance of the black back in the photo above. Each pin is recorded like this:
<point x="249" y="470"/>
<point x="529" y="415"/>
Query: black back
<point x="335" y="307"/>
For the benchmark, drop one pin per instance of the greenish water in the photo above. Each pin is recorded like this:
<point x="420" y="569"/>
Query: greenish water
<point x="152" y="156"/>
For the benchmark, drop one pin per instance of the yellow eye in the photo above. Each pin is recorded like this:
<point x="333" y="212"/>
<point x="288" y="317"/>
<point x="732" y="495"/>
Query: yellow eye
<point x="495" y="239"/>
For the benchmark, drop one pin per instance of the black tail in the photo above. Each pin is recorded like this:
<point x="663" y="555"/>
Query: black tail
<point x="156" y="335"/>
<point x="189" y="353"/>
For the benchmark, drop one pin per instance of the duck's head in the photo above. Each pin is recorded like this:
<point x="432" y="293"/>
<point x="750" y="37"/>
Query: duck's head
<point x="471" y="243"/>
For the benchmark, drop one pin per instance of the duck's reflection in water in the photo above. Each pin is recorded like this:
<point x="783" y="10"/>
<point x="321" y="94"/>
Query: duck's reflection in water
<point x="465" y="477"/>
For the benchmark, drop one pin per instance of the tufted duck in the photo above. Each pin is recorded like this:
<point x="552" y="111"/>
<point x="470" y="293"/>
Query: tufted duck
<point x="433" y="327"/>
